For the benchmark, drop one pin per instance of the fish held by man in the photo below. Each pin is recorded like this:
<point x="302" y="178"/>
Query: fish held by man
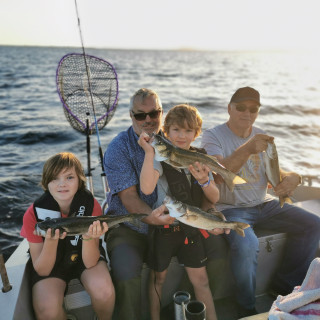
<point x="180" y="158"/>
<point x="198" y="218"/>
<point x="273" y="170"/>
<point x="80" y="225"/>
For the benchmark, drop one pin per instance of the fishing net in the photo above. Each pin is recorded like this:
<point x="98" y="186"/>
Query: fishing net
<point x="88" y="89"/>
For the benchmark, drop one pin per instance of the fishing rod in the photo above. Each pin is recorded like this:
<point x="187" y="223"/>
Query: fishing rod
<point x="103" y="175"/>
<point x="88" y="89"/>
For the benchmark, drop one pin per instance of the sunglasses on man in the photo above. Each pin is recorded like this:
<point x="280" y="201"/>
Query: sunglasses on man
<point x="243" y="108"/>
<point x="140" y="116"/>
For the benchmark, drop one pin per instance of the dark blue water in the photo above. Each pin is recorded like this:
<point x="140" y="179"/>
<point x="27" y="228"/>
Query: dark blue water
<point x="33" y="126"/>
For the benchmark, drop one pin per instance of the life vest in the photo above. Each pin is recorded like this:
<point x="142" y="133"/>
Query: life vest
<point x="69" y="248"/>
<point x="182" y="190"/>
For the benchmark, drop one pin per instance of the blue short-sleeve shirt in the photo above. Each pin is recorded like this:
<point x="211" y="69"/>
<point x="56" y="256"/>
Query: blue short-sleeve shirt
<point x="123" y="161"/>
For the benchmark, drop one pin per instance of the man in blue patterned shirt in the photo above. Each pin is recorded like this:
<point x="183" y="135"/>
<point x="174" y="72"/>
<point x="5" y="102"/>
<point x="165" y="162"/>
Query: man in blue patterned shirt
<point x="127" y="245"/>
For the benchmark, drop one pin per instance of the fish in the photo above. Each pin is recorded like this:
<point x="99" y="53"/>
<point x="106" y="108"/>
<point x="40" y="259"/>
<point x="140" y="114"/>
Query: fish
<point x="200" y="219"/>
<point x="80" y="225"/>
<point x="273" y="170"/>
<point x="180" y="159"/>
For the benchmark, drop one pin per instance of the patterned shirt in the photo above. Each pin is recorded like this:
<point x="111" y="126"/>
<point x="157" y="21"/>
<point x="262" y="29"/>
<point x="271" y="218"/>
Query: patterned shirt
<point x="123" y="161"/>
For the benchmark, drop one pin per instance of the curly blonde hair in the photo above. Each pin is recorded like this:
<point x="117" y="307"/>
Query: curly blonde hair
<point x="183" y="115"/>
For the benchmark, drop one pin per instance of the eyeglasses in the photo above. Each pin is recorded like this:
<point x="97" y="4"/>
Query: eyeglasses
<point x="243" y="108"/>
<point x="154" y="114"/>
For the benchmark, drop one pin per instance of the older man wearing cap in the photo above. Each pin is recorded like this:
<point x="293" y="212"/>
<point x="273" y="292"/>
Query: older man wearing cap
<point x="239" y="146"/>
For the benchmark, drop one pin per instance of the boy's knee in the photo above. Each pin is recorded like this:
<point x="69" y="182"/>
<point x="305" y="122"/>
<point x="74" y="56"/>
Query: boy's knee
<point x="48" y="312"/>
<point x="103" y="293"/>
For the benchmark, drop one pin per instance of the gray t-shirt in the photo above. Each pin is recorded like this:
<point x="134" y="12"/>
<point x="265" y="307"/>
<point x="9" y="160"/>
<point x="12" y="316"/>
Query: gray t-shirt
<point x="222" y="141"/>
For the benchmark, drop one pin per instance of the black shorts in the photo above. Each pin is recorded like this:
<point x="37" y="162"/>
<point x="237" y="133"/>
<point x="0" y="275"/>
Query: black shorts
<point x="164" y="246"/>
<point x="62" y="271"/>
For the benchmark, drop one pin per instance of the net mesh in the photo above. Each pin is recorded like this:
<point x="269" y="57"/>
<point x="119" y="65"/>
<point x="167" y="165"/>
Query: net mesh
<point x="74" y="91"/>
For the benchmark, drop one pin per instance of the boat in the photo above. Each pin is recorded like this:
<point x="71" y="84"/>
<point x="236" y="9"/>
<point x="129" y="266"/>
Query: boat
<point x="16" y="303"/>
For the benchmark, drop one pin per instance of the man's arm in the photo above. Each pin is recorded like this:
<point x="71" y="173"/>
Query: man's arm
<point x="133" y="204"/>
<point x="240" y="156"/>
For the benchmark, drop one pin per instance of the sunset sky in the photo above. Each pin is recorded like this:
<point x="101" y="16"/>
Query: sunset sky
<point x="165" y="24"/>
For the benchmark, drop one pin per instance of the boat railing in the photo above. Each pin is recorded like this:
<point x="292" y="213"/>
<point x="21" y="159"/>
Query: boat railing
<point x="309" y="180"/>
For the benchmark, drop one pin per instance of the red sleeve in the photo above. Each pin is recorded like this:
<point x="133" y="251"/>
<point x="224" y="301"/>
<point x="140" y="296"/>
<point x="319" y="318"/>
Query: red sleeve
<point x="97" y="211"/>
<point x="29" y="223"/>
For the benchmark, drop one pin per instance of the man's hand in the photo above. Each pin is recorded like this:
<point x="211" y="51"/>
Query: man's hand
<point x="159" y="217"/>
<point x="258" y="143"/>
<point x="288" y="184"/>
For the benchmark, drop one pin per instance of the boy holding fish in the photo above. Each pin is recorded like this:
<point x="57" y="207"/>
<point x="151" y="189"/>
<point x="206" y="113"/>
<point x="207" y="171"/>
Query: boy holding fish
<point x="57" y="258"/>
<point x="193" y="186"/>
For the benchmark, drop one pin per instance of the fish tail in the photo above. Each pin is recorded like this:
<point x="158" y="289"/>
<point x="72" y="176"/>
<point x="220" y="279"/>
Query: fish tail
<point x="238" y="180"/>
<point x="284" y="200"/>
<point x="229" y="184"/>
<point x="239" y="228"/>
<point x="233" y="180"/>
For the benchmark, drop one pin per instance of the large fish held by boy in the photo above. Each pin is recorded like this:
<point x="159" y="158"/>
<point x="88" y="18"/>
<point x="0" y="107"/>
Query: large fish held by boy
<point x="200" y="219"/>
<point x="181" y="158"/>
<point x="273" y="170"/>
<point x="79" y="225"/>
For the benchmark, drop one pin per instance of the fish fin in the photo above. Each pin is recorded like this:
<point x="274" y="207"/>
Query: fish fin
<point x="239" y="231"/>
<point x="214" y="158"/>
<point x="192" y="217"/>
<point x="218" y="214"/>
<point x="174" y="165"/>
<point x="229" y="184"/>
<point x="240" y="226"/>
<point x="283" y="200"/>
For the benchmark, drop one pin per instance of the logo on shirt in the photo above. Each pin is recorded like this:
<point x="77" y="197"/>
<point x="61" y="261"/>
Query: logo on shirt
<point x="81" y="212"/>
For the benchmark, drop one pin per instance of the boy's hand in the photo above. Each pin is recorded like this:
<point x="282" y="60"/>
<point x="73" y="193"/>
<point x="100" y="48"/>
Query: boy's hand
<point x="144" y="142"/>
<point x="56" y="235"/>
<point x="95" y="230"/>
<point x="200" y="172"/>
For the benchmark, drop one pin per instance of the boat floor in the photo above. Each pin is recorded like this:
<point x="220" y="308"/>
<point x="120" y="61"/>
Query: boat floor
<point x="227" y="310"/>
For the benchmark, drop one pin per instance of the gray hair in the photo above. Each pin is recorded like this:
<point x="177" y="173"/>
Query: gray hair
<point x="145" y="93"/>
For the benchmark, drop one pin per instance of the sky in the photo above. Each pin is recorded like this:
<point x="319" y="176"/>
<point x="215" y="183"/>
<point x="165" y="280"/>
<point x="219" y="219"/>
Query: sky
<point x="163" y="24"/>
